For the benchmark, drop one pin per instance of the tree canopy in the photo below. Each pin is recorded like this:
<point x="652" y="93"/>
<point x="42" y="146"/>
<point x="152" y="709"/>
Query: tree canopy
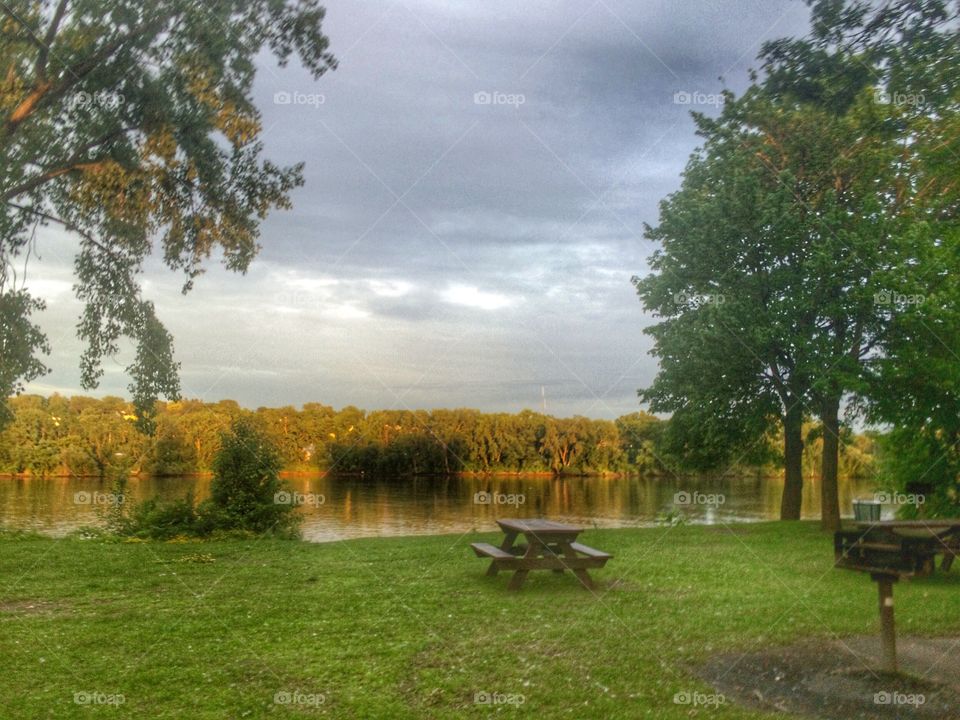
<point x="805" y="229"/>
<point x="132" y="125"/>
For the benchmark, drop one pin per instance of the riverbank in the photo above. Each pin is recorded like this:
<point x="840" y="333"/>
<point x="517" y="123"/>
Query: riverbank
<point x="411" y="627"/>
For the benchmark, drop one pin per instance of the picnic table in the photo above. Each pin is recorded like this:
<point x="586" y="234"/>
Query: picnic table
<point x="549" y="546"/>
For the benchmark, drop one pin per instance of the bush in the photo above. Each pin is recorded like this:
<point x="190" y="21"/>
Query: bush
<point x="246" y="482"/>
<point x="921" y="462"/>
<point x="242" y="499"/>
<point x="162" y="521"/>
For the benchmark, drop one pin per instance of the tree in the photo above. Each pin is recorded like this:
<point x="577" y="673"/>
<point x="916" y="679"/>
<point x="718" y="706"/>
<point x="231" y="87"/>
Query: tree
<point x="723" y="281"/>
<point x="102" y="439"/>
<point x="798" y="213"/>
<point x="31" y="441"/>
<point x="244" y="493"/>
<point x="895" y="208"/>
<point x="127" y="122"/>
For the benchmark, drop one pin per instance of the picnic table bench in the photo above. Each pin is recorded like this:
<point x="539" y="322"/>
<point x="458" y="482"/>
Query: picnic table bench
<point x="549" y="546"/>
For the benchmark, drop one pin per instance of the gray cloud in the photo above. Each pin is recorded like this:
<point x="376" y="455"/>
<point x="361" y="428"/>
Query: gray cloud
<point x="448" y="252"/>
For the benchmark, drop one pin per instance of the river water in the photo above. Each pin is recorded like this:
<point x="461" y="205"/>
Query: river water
<point x="337" y="508"/>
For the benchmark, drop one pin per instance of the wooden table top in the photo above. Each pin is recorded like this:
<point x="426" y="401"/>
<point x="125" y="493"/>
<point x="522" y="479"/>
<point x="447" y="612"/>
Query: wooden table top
<point x="537" y="525"/>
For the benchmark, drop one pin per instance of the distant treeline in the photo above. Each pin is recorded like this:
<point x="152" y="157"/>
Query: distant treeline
<point x="87" y="436"/>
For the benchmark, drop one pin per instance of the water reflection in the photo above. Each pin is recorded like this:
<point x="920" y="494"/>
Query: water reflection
<point x="354" y="507"/>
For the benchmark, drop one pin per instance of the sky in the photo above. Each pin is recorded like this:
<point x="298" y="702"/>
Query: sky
<point x="478" y="176"/>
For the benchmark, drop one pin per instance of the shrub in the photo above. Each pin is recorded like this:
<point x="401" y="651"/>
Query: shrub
<point x="162" y="521"/>
<point x="243" y="497"/>
<point x="246" y="482"/>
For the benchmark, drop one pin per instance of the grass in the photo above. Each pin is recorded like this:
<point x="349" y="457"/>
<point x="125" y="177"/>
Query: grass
<point x="411" y="628"/>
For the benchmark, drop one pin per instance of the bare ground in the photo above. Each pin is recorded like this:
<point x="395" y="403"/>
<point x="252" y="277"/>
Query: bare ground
<point x="840" y="680"/>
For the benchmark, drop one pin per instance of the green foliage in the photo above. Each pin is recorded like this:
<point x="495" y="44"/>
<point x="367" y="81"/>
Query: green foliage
<point x="246" y="483"/>
<point x="244" y="496"/>
<point x="819" y="209"/>
<point x="20" y="341"/>
<point x="163" y="520"/>
<point x="130" y="123"/>
<point x="923" y="463"/>
<point x="85" y="436"/>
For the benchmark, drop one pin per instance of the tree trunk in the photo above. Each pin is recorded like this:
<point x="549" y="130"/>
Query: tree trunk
<point x="792" y="499"/>
<point x="829" y="488"/>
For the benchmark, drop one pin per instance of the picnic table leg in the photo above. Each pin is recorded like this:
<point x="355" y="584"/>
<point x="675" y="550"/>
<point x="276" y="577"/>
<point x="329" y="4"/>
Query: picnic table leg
<point x="556" y="551"/>
<point x="534" y="549"/>
<point x="516" y="582"/>
<point x="507" y="543"/>
<point x="582" y="575"/>
<point x="947" y="560"/>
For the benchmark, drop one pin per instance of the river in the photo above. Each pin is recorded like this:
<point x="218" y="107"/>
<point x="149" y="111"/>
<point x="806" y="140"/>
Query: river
<point x="336" y="508"/>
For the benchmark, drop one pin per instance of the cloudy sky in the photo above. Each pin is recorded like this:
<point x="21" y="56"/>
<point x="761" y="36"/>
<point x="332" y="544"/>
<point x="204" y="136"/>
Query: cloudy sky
<point x="477" y="179"/>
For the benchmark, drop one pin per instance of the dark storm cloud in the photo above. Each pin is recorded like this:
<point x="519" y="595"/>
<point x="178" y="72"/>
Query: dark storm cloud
<point x="477" y="180"/>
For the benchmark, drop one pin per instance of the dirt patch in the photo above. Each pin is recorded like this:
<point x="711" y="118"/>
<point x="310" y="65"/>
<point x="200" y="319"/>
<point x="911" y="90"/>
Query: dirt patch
<point x="31" y="607"/>
<point x="839" y="680"/>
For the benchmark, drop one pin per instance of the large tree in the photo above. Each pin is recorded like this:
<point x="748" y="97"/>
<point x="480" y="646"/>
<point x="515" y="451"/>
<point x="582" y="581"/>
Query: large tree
<point x="723" y="282"/>
<point x="898" y="214"/>
<point x="132" y="124"/>
<point x="798" y="214"/>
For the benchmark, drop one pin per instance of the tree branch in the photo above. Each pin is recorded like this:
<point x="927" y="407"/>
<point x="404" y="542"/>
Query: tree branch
<point x="66" y="224"/>
<point x="47" y="92"/>
<point x="40" y="69"/>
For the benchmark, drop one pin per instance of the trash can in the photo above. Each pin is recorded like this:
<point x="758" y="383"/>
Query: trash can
<point x="866" y="510"/>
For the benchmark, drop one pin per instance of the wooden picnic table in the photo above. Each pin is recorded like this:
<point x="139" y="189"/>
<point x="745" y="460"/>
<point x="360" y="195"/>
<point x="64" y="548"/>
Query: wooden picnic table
<point x="549" y="546"/>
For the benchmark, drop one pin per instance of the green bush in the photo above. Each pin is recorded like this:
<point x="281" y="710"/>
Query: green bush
<point x="245" y="496"/>
<point x="246" y="483"/>
<point x="163" y="520"/>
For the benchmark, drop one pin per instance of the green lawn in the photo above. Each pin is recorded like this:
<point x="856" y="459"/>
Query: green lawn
<point x="411" y="628"/>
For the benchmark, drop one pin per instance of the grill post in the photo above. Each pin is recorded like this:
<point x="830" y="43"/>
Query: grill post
<point x="888" y="632"/>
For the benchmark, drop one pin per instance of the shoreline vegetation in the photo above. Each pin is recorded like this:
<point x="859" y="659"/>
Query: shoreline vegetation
<point x="61" y="436"/>
<point x="493" y="474"/>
